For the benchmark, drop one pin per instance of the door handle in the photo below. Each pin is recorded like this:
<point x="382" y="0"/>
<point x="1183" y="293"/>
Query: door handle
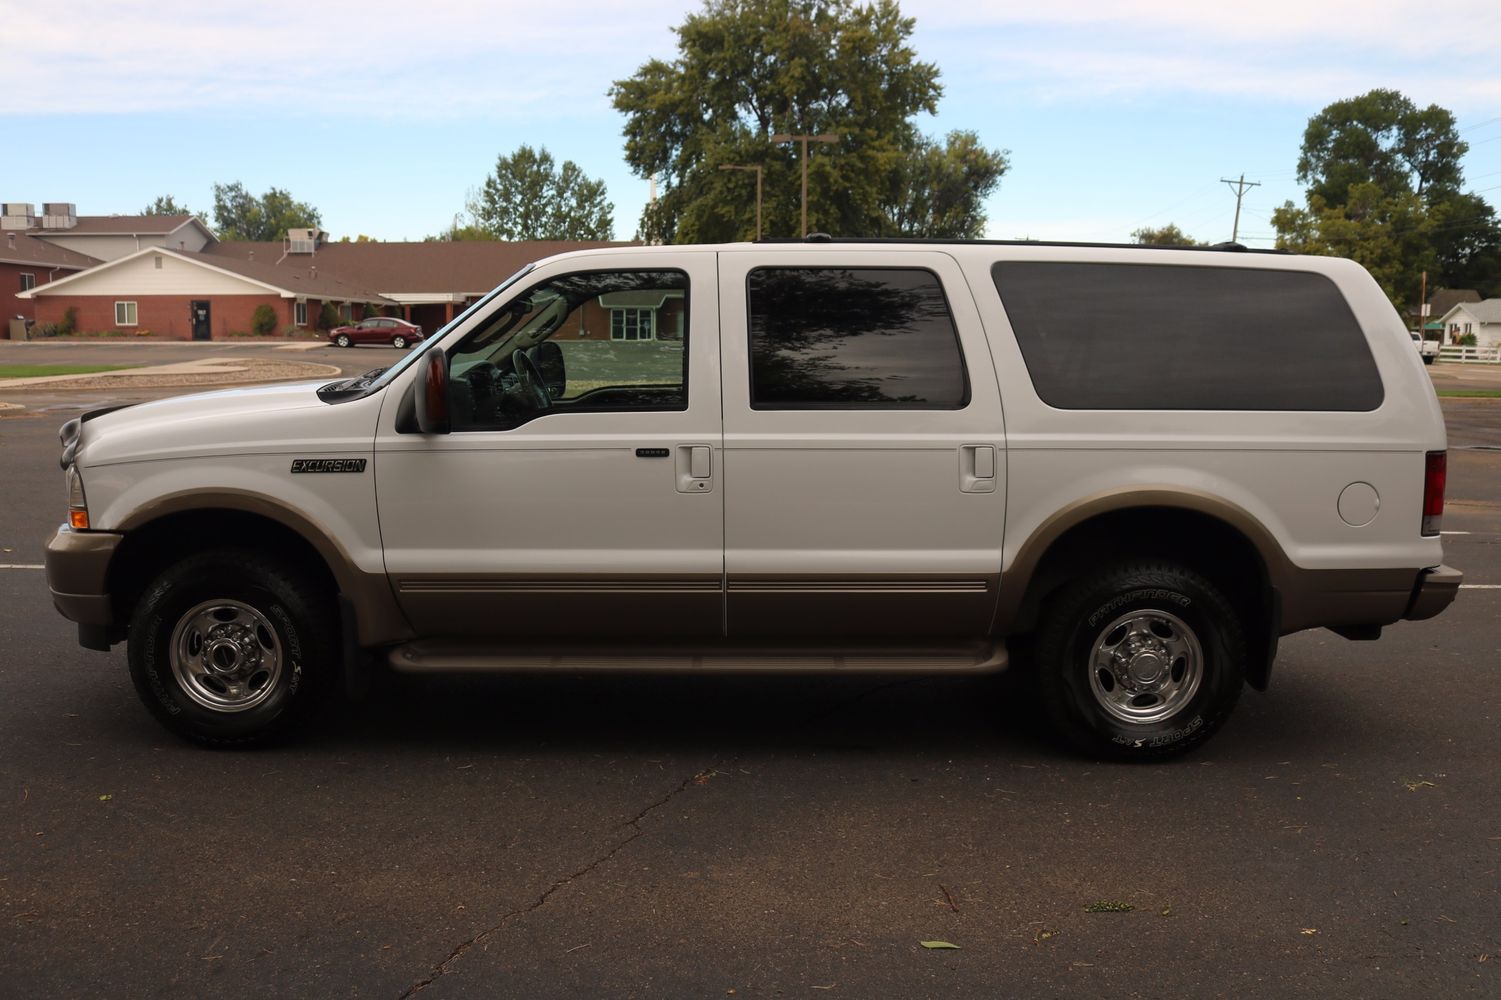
<point x="695" y="468"/>
<point x="977" y="468"/>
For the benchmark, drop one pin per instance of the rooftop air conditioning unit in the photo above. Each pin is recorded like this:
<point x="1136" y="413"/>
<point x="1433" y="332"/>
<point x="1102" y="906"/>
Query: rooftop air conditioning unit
<point x="60" y="208"/>
<point x="302" y="240"/>
<point x="19" y="208"/>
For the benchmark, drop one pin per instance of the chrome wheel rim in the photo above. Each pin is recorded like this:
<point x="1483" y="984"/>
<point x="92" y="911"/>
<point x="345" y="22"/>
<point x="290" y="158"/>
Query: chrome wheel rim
<point x="226" y="656"/>
<point x="1145" y="666"/>
<point x="398" y="342"/>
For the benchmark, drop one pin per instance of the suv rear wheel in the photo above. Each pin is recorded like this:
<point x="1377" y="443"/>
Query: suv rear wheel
<point x="226" y="646"/>
<point x="1140" y="662"/>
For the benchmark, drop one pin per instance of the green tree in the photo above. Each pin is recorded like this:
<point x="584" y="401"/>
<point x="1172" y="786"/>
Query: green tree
<point x="529" y="197"/>
<point x="748" y="69"/>
<point x="166" y="205"/>
<point x="1167" y="236"/>
<point x="240" y="215"/>
<point x="1390" y="236"/>
<point x="939" y="192"/>
<point x="1381" y="138"/>
<point x="1385" y="188"/>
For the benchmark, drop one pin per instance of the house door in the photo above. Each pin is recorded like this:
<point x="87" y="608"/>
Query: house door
<point x="202" y="325"/>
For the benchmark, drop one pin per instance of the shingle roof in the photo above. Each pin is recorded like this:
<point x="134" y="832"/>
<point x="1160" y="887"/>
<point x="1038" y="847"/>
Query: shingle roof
<point x="313" y="279"/>
<point x="1488" y="311"/>
<point x="314" y="282"/>
<point x="467" y="267"/>
<point x="106" y="225"/>
<point x="30" y="250"/>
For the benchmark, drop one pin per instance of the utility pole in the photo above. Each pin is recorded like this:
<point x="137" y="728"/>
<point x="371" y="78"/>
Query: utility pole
<point x="757" y="171"/>
<point x="1239" y="187"/>
<point x="805" y="139"/>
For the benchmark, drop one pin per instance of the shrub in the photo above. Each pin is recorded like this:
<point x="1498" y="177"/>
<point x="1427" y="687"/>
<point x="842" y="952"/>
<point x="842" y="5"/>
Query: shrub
<point x="263" y="320"/>
<point x="328" y="317"/>
<point x="1468" y="340"/>
<point x="69" y="325"/>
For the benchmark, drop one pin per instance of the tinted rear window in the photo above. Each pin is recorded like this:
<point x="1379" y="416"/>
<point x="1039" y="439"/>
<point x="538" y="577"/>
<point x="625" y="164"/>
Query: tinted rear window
<point x="1159" y="337"/>
<point x="853" y="338"/>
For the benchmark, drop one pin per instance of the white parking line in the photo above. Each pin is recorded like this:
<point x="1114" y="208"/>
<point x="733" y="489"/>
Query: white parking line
<point x="1453" y="532"/>
<point x="21" y="566"/>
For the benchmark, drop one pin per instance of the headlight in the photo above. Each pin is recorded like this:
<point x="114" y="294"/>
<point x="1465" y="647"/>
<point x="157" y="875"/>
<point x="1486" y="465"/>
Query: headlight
<point x="78" y="505"/>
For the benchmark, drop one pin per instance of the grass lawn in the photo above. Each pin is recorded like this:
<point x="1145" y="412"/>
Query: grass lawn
<point x="41" y="371"/>
<point x="1472" y="393"/>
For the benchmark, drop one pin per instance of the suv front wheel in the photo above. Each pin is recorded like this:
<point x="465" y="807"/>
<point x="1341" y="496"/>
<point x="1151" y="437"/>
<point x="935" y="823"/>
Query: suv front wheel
<point x="1140" y="662"/>
<point x="225" y="647"/>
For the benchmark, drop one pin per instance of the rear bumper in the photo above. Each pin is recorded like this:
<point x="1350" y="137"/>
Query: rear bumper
<point x="77" y="574"/>
<point x="1435" y="590"/>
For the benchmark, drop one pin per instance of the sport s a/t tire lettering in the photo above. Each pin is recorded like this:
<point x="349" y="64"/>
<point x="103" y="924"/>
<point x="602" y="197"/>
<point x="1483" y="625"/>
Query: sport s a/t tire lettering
<point x="1140" y="661"/>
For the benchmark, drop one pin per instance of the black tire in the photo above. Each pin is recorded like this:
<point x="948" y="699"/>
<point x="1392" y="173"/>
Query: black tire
<point x="300" y="625"/>
<point x="1194" y="618"/>
<point x="342" y="340"/>
<point x="1427" y="359"/>
<point x="398" y="342"/>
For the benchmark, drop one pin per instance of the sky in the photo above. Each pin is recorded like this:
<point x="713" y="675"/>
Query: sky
<point x="384" y="115"/>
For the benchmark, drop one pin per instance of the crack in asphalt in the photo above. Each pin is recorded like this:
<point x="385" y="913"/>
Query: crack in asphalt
<point x="442" y="967"/>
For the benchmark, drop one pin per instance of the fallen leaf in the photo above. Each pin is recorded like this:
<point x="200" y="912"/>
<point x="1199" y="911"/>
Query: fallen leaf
<point x="1310" y="931"/>
<point x="105" y="797"/>
<point x="1109" y="906"/>
<point x="938" y="944"/>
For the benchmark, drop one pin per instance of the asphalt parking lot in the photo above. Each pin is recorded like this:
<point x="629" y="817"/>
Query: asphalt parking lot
<point x="772" y="837"/>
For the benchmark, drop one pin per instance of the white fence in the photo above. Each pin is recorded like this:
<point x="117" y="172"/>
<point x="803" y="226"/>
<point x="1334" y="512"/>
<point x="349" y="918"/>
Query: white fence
<point x="1471" y="355"/>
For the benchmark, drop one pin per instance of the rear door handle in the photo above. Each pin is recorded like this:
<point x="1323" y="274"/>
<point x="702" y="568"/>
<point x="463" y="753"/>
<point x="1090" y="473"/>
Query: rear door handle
<point x="977" y="468"/>
<point x="695" y="468"/>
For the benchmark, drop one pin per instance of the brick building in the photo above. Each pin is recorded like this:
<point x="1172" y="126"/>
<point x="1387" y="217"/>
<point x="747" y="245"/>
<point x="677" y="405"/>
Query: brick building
<point x="168" y="277"/>
<point x="25" y="263"/>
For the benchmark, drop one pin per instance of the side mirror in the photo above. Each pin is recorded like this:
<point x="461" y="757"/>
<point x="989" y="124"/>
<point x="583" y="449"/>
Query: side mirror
<point x="432" y="393"/>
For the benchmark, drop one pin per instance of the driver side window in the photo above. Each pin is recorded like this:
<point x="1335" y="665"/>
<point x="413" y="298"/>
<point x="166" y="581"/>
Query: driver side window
<point x="588" y="342"/>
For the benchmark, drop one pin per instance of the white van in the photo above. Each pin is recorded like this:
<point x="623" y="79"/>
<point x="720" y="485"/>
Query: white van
<point x="1129" y="470"/>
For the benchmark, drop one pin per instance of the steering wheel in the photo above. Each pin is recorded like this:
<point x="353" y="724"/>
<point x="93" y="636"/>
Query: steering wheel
<point x="533" y="389"/>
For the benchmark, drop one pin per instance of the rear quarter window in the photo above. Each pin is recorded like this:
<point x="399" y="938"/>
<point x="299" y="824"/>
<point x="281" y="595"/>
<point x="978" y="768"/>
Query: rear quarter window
<point x="1164" y="337"/>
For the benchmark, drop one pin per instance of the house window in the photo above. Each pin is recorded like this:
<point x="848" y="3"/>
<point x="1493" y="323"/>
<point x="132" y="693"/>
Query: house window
<point x="125" y="314"/>
<point x="28" y="281"/>
<point x="346" y="312"/>
<point x="299" y="314"/>
<point x="158" y="262"/>
<point x="632" y="324"/>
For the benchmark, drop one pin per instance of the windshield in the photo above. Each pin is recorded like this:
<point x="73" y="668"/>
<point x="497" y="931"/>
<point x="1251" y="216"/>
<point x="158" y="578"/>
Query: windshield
<point x="414" y="354"/>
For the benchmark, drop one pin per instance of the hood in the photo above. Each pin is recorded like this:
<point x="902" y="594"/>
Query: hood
<point x="255" y="420"/>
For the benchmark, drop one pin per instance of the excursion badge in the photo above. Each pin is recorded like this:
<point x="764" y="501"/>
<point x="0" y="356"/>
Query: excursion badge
<point x="328" y="465"/>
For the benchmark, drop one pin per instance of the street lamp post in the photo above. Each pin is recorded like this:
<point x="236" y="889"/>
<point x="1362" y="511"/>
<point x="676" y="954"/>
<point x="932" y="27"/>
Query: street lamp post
<point x="757" y="171"/>
<point x="805" y="139"/>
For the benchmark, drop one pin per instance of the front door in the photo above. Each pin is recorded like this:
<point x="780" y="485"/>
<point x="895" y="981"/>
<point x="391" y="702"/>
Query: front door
<point x="203" y="327"/>
<point x="864" y="451"/>
<point x="579" y="495"/>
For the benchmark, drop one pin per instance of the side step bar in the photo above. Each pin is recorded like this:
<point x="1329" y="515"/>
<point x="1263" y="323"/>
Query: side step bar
<point x="446" y="657"/>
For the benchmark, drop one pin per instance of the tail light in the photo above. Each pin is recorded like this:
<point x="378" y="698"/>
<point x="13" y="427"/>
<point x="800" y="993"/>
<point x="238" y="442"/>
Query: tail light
<point x="1435" y="476"/>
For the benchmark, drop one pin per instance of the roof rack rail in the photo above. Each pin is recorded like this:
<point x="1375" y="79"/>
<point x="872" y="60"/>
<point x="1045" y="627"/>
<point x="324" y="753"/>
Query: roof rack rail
<point x="1225" y="247"/>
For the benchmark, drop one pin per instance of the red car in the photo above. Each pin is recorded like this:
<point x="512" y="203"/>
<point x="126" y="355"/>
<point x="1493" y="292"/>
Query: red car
<point x="377" y="330"/>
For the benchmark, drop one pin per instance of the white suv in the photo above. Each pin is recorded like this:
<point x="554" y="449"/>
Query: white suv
<point x="1098" y="462"/>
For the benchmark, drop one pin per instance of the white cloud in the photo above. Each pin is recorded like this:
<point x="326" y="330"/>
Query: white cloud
<point x="439" y="60"/>
<point x="1309" y="51"/>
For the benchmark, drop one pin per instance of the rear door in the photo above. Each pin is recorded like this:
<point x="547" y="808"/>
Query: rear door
<point x="864" y="447"/>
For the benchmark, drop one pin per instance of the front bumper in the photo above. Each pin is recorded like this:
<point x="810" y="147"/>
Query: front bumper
<point x="1435" y="590"/>
<point x="77" y="574"/>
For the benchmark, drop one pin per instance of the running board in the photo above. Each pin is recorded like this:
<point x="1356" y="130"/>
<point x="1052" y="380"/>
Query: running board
<point x="446" y="657"/>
